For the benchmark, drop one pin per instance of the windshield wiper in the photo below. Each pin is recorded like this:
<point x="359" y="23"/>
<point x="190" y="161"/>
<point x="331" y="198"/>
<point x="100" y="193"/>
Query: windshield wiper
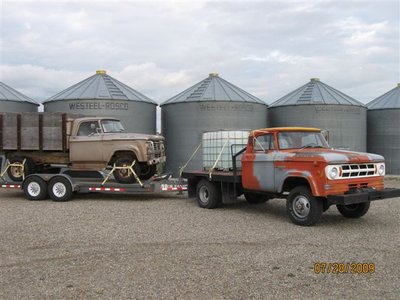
<point x="312" y="146"/>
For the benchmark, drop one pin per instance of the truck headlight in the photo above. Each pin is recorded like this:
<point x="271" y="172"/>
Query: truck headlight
<point x="150" y="145"/>
<point x="332" y="172"/>
<point x="381" y="169"/>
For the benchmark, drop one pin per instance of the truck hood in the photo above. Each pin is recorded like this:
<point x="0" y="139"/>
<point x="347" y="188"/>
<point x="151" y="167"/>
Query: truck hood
<point x="332" y="156"/>
<point x="132" y="136"/>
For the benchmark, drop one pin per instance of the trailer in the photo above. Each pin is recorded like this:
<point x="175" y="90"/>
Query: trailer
<point x="64" y="183"/>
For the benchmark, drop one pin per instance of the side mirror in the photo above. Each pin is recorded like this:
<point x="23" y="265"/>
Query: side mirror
<point x="98" y="130"/>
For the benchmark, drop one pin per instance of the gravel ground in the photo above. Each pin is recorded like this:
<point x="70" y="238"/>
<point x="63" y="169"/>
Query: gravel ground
<point x="165" y="246"/>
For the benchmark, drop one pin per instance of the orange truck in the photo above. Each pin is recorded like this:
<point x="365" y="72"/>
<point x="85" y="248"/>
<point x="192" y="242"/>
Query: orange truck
<point x="297" y="164"/>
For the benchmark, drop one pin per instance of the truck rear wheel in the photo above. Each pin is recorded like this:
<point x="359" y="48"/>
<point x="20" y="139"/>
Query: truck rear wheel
<point x="302" y="207"/>
<point x="208" y="194"/>
<point x="35" y="188"/>
<point x="125" y="175"/>
<point x="354" y="211"/>
<point x="15" y="173"/>
<point x="60" y="189"/>
<point x="255" y="198"/>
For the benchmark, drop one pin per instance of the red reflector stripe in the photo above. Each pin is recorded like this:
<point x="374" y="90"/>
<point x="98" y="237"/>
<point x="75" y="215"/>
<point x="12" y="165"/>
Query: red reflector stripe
<point x="103" y="189"/>
<point x="171" y="188"/>
<point x="11" y="186"/>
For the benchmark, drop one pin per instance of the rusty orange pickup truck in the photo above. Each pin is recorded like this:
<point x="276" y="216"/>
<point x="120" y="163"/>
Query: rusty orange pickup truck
<point x="297" y="164"/>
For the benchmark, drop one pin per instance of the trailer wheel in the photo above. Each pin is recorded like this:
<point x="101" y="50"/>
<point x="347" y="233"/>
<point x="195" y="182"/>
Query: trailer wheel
<point x="124" y="175"/>
<point x="208" y="194"/>
<point x="353" y="211"/>
<point x="60" y="189"/>
<point x="254" y="198"/>
<point x="35" y="188"/>
<point x="15" y="173"/>
<point x="302" y="207"/>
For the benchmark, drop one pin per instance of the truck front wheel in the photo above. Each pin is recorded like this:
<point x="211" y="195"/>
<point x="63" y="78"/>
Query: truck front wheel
<point x="146" y="171"/>
<point x="302" y="207"/>
<point x="208" y="194"/>
<point x="125" y="175"/>
<point x="354" y="211"/>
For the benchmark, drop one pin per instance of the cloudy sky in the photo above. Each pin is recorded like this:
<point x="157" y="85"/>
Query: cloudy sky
<point x="160" y="48"/>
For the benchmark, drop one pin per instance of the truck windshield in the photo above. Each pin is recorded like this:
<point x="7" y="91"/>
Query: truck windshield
<point x="301" y="139"/>
<point x="112" y="126"/>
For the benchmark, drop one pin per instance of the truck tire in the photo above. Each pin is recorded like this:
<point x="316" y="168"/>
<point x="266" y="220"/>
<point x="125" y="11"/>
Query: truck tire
<point x="15" y="173"/>
<point x="302" y="207"/>
<point x="146" y="171"/>
<point x="35" y="188"/>
<point x="208" y="194"/>
<point x="353" y="211"/>
<point x="60" y="189"/>
<point x="125" y="176"/>
<point x="254" y="198"/>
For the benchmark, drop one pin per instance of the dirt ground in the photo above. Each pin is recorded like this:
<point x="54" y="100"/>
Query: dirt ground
<point x="165" y="246"/>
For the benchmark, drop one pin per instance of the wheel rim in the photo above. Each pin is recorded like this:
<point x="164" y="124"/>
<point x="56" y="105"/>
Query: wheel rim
<point x="204" y="195"/>
<point x="301" y="206"/>
<point x="16" y="171"/>
<point x="33" y="189"/>
<point x="59" y="189"/>
<point x="125" y="173"/>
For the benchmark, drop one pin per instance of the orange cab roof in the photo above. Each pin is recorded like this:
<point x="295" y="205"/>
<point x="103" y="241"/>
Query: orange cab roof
<point x="276" y="129"/>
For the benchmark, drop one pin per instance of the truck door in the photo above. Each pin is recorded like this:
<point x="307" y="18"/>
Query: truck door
<point x="86" y="145"/>
<point x="258" y="164"/>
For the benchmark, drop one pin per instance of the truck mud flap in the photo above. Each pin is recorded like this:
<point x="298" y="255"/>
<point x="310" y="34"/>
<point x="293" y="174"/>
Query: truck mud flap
<point x="363" y="196"/>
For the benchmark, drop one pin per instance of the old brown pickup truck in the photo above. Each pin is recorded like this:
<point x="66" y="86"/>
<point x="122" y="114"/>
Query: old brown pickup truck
<point x="82" y="143"/>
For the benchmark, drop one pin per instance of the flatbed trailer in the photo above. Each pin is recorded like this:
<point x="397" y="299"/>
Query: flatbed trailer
<point x="62" y="187"/>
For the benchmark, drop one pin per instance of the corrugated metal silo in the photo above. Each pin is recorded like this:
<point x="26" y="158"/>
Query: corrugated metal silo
<point x="209" y="105"/>
<point x="317" y="104"/>
<point x="13" y="101"/>
<point x="383" y="118"/>
<point x="103" y="95"/>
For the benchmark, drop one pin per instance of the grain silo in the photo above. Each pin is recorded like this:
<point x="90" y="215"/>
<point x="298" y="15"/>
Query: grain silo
<point x="103" y="95"/>
<point x="13" y="101"/>
<point x="209" y="105"/>
<point x="383" y="119"/>
<point x="317" y="104"/>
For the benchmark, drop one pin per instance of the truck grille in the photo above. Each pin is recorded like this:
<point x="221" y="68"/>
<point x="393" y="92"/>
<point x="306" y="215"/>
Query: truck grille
<point x="357" y="170"/>
<point x="157" y="145"/>
<point x="158" y="149"/>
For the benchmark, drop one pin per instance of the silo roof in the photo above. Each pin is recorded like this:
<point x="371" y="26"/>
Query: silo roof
<point x="7" y="93"/>
<point x="213" y="88"/>
<point x="100" y="86"/>
<point x="388" y="100"/>
<point x="316" y="92"/>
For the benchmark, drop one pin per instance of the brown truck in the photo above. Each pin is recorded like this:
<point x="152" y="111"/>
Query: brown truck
<point x="44" y="140"/>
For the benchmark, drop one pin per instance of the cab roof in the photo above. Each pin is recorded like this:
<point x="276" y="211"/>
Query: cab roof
<point x="280" y="129"/>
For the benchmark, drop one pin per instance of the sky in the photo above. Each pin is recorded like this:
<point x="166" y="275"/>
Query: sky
<point x="160" y="48"/>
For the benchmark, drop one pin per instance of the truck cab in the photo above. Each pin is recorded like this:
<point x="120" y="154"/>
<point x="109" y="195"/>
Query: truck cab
<point x="275" y="158"/>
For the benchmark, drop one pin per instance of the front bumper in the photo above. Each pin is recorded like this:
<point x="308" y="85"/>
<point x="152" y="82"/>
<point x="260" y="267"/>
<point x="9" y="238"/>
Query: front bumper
<point x="363" y="195"/>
